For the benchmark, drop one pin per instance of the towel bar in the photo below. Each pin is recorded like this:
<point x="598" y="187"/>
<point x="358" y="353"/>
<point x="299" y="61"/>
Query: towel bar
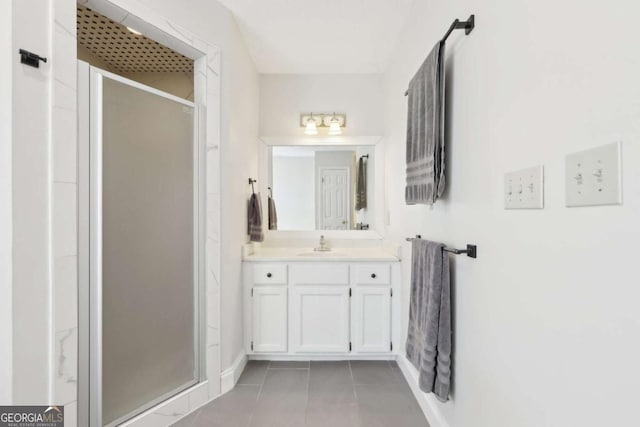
<point x="467" y="26"/>
<point x="471" y="250"/>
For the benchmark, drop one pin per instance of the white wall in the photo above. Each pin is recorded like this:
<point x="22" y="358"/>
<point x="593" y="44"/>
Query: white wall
<point x="283" y="97"/>
<point x="31" y="133"/>
<point x="546" y="322"/>
<point x="6" y="324"/>
<point x="239" y="161"/>
<point x="294" y="192"/>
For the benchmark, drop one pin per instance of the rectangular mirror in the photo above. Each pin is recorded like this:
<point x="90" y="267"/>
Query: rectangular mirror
<point x="328" y="187"/>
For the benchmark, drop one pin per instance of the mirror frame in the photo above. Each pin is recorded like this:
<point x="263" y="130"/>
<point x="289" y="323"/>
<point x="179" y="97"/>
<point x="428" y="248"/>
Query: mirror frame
<point x="264" y="166"/>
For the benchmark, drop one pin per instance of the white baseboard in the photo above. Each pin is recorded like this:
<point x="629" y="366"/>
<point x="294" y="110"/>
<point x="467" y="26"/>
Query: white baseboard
<point x="321" y="357"/>
<point x="230" y="376"/>
<point x="427" y="402"/>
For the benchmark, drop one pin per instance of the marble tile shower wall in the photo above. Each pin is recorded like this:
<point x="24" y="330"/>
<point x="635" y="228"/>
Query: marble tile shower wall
<point x="64" y="367"/>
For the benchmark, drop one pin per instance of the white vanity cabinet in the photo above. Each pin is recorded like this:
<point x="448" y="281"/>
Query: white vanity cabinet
<point x="371" y="308"/>
<point x="320" y="309"/>
<point x="269" y="319"/>
<point x="268" y="307"/>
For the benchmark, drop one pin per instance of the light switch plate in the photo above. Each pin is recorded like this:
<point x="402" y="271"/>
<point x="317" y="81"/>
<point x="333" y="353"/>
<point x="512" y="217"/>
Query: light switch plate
<point x="594" y="177"/>
<point x="524" y="189"/>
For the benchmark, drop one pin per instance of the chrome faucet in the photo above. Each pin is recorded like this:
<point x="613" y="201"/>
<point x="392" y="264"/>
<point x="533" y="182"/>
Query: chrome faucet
<point x="323" y="246"/>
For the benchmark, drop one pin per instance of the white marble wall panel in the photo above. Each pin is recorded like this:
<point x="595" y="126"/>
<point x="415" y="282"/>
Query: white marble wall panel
<point x="64" y="367"/>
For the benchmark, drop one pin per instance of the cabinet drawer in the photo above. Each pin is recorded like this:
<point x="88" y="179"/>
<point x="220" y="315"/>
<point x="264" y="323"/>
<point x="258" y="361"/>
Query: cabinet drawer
<point x="373" y="274"/>
<point x="270" y="274"/>
<point x="319" y="273"/>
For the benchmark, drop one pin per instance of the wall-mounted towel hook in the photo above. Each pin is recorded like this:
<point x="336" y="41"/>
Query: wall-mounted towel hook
<point x="251" y="182"/>
<point x="31" y="59"/>
<point x="270" y="192"/>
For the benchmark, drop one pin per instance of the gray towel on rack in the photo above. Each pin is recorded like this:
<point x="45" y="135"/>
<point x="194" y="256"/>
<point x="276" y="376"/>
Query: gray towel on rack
<point x="254" y="219"/>
<point x="425" y="131"/>
<point x="429" y="336"/>
<point x="273" y="216"/>
<point x="361" y="185"/>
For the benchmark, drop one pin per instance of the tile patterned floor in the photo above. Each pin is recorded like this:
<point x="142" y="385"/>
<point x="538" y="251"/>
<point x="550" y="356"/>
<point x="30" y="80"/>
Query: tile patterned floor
<point x="314" y="394"/>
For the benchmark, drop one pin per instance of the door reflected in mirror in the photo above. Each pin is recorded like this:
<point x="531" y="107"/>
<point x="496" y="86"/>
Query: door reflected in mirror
<point x="322" y="187"/>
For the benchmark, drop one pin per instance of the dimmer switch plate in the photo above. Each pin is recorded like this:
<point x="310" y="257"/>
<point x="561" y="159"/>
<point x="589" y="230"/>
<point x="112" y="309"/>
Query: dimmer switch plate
<point x="593" y="177"/>
<point x="524" y="189"/>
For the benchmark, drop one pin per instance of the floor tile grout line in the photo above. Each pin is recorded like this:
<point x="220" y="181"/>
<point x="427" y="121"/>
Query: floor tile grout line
<point x="306" y="401"/>
<point x="264" y="379"/>
<point x="353" y="383"/>
<point x="288" y="369"/>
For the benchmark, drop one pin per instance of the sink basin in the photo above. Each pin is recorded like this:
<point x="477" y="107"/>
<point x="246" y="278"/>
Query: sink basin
<point x="320" y="254"/>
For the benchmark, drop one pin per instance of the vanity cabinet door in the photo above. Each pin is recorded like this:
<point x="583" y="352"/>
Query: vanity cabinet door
<point x="371" y="321"/>
<point x="269" y="319"/>
<point x="320" y="319"/>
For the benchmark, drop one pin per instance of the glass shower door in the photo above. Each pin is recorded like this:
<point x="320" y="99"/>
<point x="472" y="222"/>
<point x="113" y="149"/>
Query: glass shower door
<point x="143" y="248"/>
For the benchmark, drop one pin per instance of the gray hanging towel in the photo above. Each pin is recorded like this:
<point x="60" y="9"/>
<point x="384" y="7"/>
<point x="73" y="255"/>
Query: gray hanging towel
<point x="361" y="185"/>
<point x="254" y="219"/>
<point x="429" y="334"/>
<point x="425" y="131"/>
<point x="273" y="216"/>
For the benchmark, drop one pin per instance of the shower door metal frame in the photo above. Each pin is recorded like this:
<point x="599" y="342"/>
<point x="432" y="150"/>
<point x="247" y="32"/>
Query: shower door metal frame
<point x="90" y="240"/>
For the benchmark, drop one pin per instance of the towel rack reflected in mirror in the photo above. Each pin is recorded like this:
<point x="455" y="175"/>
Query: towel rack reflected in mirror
<point x="471" y="250"/>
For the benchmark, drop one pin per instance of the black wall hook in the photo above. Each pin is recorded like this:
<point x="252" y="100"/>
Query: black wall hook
<point x="251" y="182"/>
<point x="31" y="59"/>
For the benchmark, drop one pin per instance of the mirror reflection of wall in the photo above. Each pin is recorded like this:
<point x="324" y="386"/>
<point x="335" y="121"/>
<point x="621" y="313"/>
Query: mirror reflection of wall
<point x="315" y="188"/>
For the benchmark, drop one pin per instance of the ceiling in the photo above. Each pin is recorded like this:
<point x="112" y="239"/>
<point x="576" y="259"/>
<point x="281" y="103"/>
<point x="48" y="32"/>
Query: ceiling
<point x="123" y="50"/>
<point x="329" y="36"/>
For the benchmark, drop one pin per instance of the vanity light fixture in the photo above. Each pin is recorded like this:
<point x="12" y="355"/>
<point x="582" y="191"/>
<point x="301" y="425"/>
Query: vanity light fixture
<point x="311" y="127"/>
<point x="334" y="126"/>
<point x="311" y="122"/>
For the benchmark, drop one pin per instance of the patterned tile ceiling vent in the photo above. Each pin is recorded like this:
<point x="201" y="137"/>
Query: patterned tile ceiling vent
<point x="123" y="50"/>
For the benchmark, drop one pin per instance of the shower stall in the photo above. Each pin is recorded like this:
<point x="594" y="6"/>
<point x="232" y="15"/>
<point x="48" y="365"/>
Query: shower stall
<point x="140" y="247"/>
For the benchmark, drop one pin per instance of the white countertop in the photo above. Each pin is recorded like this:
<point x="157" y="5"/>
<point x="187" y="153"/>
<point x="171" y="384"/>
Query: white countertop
<point x="308" y="254"/>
